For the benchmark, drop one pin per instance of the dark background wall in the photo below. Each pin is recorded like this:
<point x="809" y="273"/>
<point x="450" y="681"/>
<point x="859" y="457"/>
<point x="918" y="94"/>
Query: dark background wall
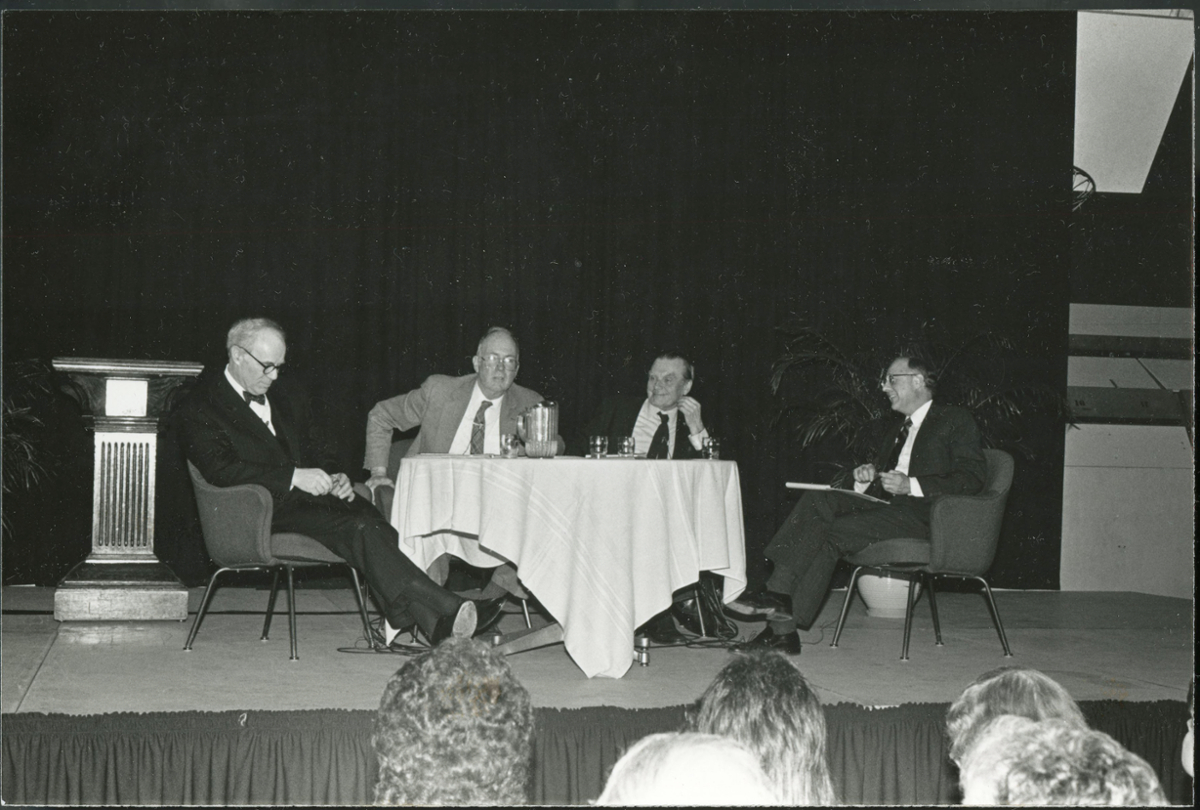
<point x="389" y="184"/>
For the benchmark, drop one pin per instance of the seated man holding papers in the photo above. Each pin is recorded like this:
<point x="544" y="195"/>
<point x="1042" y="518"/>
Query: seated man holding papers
<point x="935" y="450"/>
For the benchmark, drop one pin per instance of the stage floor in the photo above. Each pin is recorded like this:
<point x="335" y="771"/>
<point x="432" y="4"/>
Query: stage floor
<point x="1100" y="646"/>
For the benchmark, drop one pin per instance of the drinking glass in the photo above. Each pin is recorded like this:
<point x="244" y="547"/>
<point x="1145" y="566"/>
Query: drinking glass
<point x="712" y="447"/>
<point x="598" y="445"/>
<point x="625" y="446"/>
<point x="510" y="446"/>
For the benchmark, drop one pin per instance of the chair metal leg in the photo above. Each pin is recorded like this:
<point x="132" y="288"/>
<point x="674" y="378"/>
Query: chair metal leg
<point x="292" y="612"/>
<point x="908" y="611"/>
<point x="845" y="606"/>
<point x="271" y="603"/>
<point x="362" y="608"/>
<point x="987" y="591"/>
<point x="937" y="627"/>
<point x="525" y="610"/>
<point x="208" y="592"/>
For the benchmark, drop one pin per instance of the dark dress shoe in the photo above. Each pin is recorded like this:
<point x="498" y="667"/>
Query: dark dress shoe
<point x="460" y="624"/>
<point x="489" y="611"/>
<point x="661" y="630"/>
<point x="768" y="639"/>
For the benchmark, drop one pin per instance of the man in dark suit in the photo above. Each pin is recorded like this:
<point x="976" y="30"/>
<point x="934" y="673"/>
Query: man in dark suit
<point x="935" y="450"/>
<point x="236" y="434"/>
<point x="666" y="424"/>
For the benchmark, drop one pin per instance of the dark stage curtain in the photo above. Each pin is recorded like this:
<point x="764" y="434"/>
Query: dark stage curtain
<point x="387" y="185"/>
<point x="877" y="756"/>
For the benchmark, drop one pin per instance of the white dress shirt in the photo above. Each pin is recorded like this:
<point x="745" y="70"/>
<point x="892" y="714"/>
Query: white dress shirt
<point x="491" y="426"/>
<point x="914" y="487"/>
<point x="647" y="425"/>
<point x="262" y="411"/>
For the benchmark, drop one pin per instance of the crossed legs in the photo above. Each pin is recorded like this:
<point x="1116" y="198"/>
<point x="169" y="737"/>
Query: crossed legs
<point x="357" y="533"/>
<point x="824" y="527"/>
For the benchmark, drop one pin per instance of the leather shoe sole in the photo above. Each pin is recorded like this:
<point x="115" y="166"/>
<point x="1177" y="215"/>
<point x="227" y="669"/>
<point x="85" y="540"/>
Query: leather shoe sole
<point x="460" y="624"/>
<point x="768" y="639"/>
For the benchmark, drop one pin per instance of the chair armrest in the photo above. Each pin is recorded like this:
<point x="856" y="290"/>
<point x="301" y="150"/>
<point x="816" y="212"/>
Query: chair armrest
<point x="382" y="496"/>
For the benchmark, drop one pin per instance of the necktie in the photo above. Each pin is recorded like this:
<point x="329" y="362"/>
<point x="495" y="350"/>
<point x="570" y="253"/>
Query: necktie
<point x="477" y="429"/>
<point x="894" y="457"/>
<point x="658" y="445"/>
<point x="261" y="399"/>
<point x="889" y="464"/>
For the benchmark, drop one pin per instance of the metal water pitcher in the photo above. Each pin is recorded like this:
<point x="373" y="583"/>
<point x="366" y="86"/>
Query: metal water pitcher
<point x="538" y="428"/>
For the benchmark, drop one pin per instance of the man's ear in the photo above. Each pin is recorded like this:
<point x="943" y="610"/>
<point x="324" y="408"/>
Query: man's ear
<point x="475" y="363"/>
<point x="687" y="387"/>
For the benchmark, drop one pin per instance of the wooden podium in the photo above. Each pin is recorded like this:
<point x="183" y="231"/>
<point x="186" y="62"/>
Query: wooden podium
<point x="122" y="579"/>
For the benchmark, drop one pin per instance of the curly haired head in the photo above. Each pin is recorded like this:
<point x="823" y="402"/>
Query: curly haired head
<point x="761" y="700"/>
<point x="1017" y="761"/>
<point x="454" y="727"/>
<point x="1007" y="690"/>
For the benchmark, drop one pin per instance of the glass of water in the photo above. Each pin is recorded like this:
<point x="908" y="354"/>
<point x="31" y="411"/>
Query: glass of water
<point x="712" y="447"/>
<point x="625" y="446"/>
<point x="510" y="445"/>
<point x="598" y="446"/>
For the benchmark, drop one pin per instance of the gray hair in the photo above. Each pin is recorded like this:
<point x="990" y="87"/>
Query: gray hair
<point x="689" y="371"/>
<point x="496" y="330"/>
<point x="247" y="329"/>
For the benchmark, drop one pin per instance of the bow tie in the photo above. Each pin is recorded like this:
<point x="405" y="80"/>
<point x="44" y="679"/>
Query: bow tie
<point x="261" y="399"/>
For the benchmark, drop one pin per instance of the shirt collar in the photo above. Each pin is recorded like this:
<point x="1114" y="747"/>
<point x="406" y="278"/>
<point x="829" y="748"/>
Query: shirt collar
<point x="650" y="410"/>
<point x="918" y="416"/>
<point x="477" y="396"/>
<point x="236" y="385"/>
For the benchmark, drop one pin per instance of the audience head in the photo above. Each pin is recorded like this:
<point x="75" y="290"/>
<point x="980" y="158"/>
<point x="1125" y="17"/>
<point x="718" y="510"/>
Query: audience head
<point x="669" y="380"/>
<point x="1008" y="690"/>
<point x="496" y="361"/>
<point x="1018" y="761"/>
<point x="761" y="700"/>
<point x="257" y="348"/>
<point x="1189" y="752"/>
<point x="687" y="769"/>
<point x="454" y="727"/>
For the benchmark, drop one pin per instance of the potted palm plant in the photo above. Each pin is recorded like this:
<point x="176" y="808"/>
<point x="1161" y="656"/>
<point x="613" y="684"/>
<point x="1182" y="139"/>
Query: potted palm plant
<point x="23" y="468"/>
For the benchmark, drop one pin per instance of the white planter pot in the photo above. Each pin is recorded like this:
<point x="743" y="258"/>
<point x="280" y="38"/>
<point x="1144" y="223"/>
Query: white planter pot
<point x="886" y="596"/>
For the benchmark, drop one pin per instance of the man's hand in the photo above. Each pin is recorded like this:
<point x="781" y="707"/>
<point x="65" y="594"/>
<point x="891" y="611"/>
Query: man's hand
<point x="312" y="480"/>
<point x="895" y="483"/>
<point x="341" y="486"/>
<point x="864" y="474"/>
<point x="379" y="477"/>
<point x="690" y="409"/>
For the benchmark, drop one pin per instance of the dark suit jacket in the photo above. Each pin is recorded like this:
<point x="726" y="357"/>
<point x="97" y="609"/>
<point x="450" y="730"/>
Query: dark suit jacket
<point x="947" y="456"/>
<point x="230" y="445"/>
<point x="618" y="415"/>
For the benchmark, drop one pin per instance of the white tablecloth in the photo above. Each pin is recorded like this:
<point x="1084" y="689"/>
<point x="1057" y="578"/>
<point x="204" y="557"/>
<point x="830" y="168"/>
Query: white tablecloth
<point x="601" y="543"/>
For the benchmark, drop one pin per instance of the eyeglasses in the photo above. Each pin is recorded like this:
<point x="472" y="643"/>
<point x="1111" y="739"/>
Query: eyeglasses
<point x="890" y="379"/>
<point x="509" y="363"/>
<point x="267" y="368"/>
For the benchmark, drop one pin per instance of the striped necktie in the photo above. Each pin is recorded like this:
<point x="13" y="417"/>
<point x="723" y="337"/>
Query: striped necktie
<point x="477" y="428"/>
